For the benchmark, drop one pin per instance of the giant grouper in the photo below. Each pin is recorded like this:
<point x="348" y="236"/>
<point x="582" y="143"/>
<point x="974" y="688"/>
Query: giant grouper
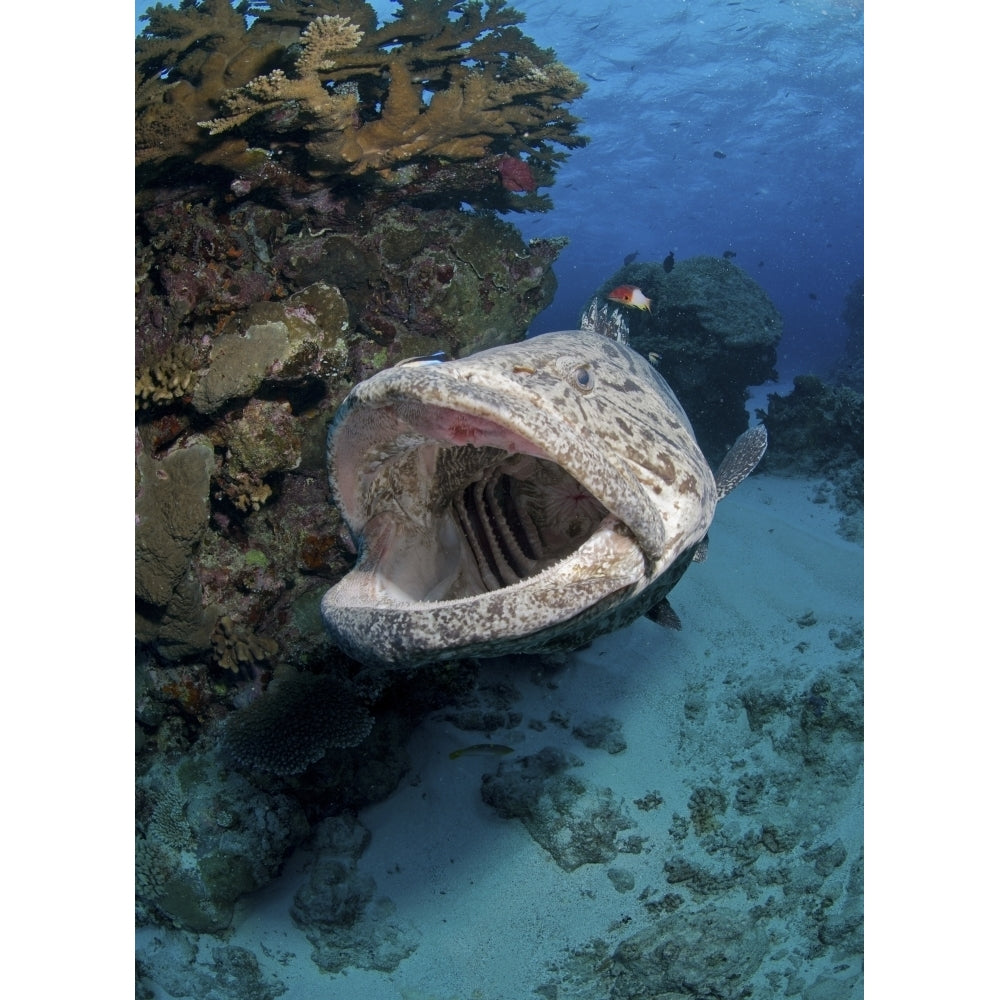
<point x="525" y="498"/>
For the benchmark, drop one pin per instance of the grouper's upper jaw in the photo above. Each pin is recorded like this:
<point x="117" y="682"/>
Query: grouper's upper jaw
<point x="479" y="516"/>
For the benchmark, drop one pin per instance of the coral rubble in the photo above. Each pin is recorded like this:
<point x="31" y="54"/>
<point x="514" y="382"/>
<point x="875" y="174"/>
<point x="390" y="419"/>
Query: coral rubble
<point x="338" y="911"/>
<point x="756" y="858"/>
<point x="171" y="962"/>
<point x="575" y="823"/>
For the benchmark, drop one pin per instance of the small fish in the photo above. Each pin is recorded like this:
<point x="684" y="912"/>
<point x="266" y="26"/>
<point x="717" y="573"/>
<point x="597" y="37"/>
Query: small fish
<point x="729" y="254"/>
<point x="630" y="295"/>
<point x="654" y="358"/>
<point x="481" y="750"/>
<point x="668" y="262"/>
<point x="437" y="358"/>
<point x="631" y="257"/>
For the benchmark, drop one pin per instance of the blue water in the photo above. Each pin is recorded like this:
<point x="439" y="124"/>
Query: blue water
<point x="775" y="86"/>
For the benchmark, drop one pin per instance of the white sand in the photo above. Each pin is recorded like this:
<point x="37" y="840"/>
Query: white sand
<point x="494" y="916"/>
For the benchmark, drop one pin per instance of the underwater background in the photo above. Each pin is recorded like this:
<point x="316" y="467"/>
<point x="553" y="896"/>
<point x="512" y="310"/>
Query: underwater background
<point x="661" y="814"/>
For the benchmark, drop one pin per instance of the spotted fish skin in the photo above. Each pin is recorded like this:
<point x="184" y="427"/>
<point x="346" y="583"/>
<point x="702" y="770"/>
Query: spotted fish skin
<point x="526" y="498"/>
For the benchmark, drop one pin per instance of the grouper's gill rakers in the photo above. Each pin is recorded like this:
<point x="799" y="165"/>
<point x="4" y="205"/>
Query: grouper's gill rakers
<point x="527" y="497"/>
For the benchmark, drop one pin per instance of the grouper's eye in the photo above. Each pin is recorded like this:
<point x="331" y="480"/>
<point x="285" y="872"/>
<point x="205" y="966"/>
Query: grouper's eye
<point x="582" y="378"/>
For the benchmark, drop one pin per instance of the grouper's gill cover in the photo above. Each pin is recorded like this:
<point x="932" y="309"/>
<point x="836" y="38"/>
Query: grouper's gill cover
<point x="527" y="497"/>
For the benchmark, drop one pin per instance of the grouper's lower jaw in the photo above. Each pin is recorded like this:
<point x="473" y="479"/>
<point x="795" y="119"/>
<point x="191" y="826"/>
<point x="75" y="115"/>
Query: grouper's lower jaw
<point x="372" y="619"/>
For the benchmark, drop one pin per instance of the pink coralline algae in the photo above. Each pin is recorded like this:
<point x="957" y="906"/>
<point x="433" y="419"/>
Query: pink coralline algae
<point x="516" y="175"/>
<point x="301" y="312"/>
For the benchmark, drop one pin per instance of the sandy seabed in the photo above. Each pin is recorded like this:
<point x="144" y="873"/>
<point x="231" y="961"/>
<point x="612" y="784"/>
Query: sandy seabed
<point x="694" y="830"/>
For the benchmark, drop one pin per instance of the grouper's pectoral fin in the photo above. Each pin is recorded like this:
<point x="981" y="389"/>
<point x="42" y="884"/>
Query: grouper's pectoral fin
<point x="741" y="460"/>
<point x="663" y="614"/>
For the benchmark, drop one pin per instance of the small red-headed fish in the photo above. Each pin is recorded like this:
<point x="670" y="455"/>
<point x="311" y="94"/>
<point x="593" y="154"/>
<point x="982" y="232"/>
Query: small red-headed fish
<point x="630" y="295"/>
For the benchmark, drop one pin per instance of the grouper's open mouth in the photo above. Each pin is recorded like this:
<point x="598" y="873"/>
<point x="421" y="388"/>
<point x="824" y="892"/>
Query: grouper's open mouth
<point x="478" y="517"/>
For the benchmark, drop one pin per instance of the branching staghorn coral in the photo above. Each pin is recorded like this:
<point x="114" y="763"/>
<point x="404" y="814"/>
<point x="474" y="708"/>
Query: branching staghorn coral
<point x="185" y="59"/>
<point x="324" y="113"/>
<point x="443" y="81"/>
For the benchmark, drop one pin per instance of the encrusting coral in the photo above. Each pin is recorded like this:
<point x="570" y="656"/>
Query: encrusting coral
<point x="319" y="82"/>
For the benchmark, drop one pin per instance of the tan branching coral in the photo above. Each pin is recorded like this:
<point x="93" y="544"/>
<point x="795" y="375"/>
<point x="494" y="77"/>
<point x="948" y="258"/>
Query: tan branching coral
<point x="237" y="648"/>
<point x="460" y="122"/>
<point x="324" y="110"/>
<point x="323" y="39"/>
<point x="442" y="81"/>
<point x="186" y="58"/>
<point x="170" y="378"/>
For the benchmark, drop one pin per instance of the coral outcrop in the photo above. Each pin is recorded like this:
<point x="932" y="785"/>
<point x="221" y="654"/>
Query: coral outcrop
<point x="205" y="836"/>
<point x="263" y="440"/>
<point x="850" y="369"/>
<point x="317" y="199"/>
<point x="815" y="429"/>
<point x="714" y="331"/>
<point x="819" y="430"/>
<point x="320" y="90"/>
